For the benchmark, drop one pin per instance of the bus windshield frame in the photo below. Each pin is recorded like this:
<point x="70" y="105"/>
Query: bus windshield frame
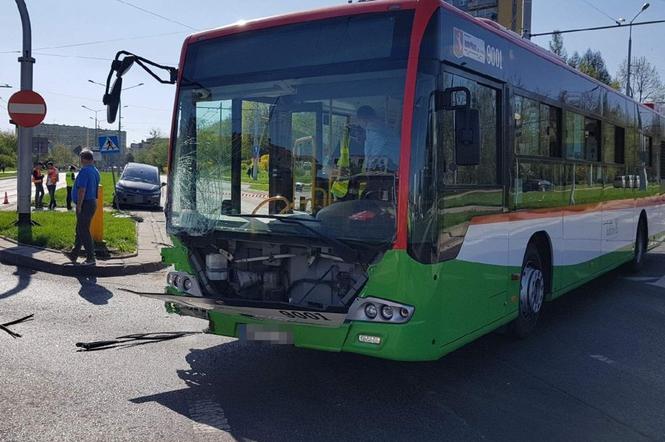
<point x="300" y="120"/>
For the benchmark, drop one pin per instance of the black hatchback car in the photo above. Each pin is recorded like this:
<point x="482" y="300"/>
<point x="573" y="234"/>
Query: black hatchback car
<point x="139" y="185"/>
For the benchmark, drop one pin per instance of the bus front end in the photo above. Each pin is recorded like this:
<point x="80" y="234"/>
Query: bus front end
<point x="283" y="184"/>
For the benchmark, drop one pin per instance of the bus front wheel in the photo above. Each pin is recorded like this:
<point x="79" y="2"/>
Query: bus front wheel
<point x="532" y="292"/>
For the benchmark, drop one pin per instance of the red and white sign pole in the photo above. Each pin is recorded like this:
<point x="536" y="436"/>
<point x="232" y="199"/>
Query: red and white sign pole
<point x="24" y="188"/>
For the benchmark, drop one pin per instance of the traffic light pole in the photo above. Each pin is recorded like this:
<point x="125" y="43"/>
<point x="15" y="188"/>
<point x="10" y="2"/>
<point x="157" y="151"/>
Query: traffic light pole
<point x="23" y="185"/>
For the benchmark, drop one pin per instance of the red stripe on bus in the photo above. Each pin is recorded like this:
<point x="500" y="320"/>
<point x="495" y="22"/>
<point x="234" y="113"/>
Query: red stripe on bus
<point x="424" y="11"/>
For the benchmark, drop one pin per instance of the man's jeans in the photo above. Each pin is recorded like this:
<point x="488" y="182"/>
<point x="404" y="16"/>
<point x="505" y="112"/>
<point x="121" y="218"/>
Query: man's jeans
<point x="51" y="194"/>
<point x="83" y="236"/>
<point x="39" y="195"/>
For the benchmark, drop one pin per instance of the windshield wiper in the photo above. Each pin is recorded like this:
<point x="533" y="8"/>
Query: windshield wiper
<point x="346" y="252"/>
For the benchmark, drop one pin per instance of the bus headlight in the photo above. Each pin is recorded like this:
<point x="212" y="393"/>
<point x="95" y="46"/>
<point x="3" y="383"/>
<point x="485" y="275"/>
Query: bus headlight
<point x="184" y="282"/>
<point x="372" y="309"/>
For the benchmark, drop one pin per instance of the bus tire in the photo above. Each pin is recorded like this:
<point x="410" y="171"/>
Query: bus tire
<point x="641" y="245"/>
<point x="532" y="292"/>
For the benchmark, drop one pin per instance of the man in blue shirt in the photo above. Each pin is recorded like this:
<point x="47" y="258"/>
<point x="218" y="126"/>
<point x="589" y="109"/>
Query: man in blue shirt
<point x="84" y="195"/>
<point x="381" y="142"/>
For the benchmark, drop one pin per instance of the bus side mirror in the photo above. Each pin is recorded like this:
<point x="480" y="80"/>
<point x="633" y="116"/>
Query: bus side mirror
<point x="452" y="98"/>
<point x="467" y="137"/>
<point x="112" y="100"/>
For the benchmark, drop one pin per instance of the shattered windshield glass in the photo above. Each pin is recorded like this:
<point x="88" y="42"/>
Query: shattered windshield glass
<point x="298" y="121"/>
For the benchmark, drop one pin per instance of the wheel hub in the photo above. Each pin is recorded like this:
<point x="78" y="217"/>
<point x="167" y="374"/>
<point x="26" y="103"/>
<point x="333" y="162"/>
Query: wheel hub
<point x="532" y="291"/>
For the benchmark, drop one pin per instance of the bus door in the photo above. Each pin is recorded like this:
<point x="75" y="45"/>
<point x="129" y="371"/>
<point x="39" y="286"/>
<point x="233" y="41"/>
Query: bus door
<point x="296" y="136"/>
<point x="465" y="194"/>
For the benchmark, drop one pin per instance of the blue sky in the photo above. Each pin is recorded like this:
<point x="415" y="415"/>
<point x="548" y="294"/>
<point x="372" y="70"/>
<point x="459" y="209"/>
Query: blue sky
<point x="62" y="71"/>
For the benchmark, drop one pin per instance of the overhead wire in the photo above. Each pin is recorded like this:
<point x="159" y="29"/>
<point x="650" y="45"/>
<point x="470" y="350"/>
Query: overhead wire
<point x="156" y="14"/>
<point x="614" y="19"/>
<point x="96" y="42"/>
<point x="37" y="51"/>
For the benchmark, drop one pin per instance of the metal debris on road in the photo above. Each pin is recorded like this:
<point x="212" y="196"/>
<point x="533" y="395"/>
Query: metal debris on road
<point x="133" y="340"/>
<point x="5" y="327"/>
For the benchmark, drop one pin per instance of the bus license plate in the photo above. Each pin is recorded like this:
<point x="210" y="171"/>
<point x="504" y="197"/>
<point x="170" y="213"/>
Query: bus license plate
<point x="263" y="333"/>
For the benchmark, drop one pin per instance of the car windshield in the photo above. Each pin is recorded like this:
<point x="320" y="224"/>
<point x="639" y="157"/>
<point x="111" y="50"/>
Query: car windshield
<point x="301" y="120"/>
<point x="140" y="174"/>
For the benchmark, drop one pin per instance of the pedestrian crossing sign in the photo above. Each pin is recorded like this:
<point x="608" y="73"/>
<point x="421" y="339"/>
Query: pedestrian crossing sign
<point x="109" y="144"/>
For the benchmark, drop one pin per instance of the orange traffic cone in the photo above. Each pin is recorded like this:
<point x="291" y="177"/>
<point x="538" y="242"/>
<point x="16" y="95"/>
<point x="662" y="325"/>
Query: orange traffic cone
<point x="6" y="201"/>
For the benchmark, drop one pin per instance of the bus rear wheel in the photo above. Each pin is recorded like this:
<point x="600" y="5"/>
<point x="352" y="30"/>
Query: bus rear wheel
<point x="532" y="293"/>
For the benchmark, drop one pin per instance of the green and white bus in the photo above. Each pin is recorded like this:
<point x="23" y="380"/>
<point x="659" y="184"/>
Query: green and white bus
<point x="395" y="178"/>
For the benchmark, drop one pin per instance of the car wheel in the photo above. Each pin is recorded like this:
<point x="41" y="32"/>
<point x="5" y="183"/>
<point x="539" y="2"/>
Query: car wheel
<point x="532" y="292"/>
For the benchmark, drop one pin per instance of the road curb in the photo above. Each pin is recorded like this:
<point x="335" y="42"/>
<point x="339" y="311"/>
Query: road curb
<point x="10" y="257"/>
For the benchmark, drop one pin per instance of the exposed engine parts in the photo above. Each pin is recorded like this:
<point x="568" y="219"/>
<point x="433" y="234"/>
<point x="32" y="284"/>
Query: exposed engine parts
<point x="273" y="273"/>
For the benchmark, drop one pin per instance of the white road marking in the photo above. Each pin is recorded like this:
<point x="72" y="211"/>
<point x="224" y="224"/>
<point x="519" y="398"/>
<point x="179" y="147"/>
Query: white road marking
<point x="660" y="283"/>
<point x="602" y="358"/>
<point x="208" y="417"/>
<point x="651" y="280"/>
<point x="640" y="278"/>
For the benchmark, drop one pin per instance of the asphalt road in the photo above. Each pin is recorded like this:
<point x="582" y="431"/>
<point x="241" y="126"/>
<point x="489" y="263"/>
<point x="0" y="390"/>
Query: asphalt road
<point x="593" y="370"/>
<point x="9" y="186"/>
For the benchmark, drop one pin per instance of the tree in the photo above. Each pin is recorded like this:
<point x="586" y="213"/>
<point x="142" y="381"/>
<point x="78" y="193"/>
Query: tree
<point x="574" y="61"/>
<point x="62" y="156"/>
<point x="8" y="149"/>
<point x="129" y="158"/>
<point x="593" y="64"/>
<point x="156" y="154"/>
<point x="645" y="82"/>
<point x="556" y="45"/>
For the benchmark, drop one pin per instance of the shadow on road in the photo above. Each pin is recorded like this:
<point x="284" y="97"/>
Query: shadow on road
<point x="24" y="276"/>
<point x="546" y="387"/>
<point x="92" y="292"/>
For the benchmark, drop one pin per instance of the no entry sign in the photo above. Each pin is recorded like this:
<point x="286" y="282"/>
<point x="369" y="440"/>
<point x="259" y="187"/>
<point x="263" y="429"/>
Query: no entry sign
<point x="26" y="108"/>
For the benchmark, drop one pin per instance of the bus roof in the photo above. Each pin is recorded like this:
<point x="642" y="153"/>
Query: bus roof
<point x="304" y="16"/>
<point x="505" y="33"/>
<point x="393" y="5"/>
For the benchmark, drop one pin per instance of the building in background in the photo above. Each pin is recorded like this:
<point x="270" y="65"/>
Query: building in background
<point x="73" y="137"/>
<point x="513" y="14"/>
<point x="146" y="144"/>
<point x="39" y="148"/>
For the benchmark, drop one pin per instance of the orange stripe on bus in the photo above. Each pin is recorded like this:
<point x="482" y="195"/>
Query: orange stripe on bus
<point x="524" y="215"/>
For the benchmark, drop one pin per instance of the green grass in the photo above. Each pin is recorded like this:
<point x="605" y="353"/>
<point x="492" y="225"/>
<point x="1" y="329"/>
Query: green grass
<point x="107" y="184"/>
<point x="7" y="174"/>
<point x="56" y="231"/>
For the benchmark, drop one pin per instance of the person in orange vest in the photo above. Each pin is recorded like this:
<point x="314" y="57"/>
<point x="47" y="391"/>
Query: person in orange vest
<point x="52" y="177"/>
<point x="69" y="179"/>
<point x="38" y="181"/>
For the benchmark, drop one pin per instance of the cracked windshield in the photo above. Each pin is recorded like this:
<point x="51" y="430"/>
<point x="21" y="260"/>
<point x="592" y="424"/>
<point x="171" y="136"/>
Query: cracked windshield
<point x="310" y="131"/>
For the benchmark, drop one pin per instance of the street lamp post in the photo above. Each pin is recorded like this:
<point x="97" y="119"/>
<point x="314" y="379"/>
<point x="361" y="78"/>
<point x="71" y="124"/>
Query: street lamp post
<point x="25" y="134"/>
<point x="119" y="108"/>
<point x="629" y="90"/>
<point x="96" y="125"/>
